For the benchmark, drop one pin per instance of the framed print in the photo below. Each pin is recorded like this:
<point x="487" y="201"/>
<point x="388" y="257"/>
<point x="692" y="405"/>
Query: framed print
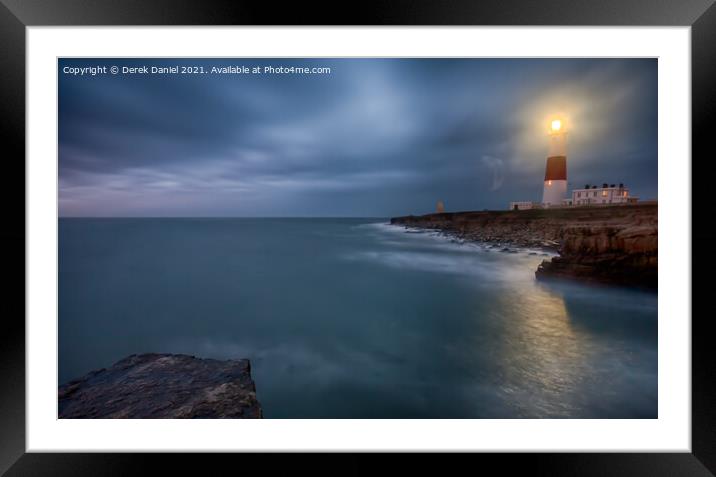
<point x="417" y="229"/>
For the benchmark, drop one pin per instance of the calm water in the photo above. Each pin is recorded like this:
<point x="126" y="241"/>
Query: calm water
<point x="353" y="318"/>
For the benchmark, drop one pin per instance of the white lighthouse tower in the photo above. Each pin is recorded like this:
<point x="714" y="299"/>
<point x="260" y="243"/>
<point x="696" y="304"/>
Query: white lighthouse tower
<point x="555" y="174"/>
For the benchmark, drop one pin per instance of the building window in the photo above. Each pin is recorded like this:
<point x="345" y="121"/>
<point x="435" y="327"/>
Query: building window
<point x="579" y="194"/>
<point x="595" y="193"/>
<point x="549" y="183"/>
<point x="604" y="193"/>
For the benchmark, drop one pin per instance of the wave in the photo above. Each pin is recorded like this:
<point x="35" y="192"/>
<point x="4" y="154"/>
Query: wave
<point x="420" y="237"/>
<point x="499" y="269"/>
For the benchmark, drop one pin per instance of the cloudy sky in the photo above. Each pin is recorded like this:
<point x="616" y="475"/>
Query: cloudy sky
<point x="374" y="138"/>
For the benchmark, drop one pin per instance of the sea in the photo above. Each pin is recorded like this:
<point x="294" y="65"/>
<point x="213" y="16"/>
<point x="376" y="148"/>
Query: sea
<point x="356" y="318"/>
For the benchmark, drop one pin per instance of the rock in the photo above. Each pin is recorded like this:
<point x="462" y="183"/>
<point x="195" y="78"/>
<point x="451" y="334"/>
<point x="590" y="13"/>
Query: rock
<point x="624" y="253"/>
<point x="615" y="244"/>
<point x="163" y="386"/>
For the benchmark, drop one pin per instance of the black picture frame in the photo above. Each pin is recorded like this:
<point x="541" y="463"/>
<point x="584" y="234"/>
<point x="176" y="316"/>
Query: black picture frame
<point x="16" y="15"/>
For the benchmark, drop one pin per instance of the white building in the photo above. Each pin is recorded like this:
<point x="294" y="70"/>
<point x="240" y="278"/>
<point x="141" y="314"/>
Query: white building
<point x="524" y="205"/>
<point x="590" y="195"/>
<point x="606" y="194"/>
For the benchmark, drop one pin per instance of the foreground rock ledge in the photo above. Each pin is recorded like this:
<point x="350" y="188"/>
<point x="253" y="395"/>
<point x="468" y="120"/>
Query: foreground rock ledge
<point x="172" y="386"/>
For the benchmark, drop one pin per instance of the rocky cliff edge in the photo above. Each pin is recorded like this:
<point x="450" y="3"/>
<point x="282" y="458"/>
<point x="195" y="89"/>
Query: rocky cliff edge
<point x="163" y="386"/>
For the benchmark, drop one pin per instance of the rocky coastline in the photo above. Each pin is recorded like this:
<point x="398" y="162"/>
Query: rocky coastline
<point x="616" y="245"/>
<point x="155" y="386"/>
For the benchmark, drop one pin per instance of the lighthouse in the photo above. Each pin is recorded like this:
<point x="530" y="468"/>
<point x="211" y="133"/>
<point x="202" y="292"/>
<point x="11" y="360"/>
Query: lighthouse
<point x="555" y="174"/>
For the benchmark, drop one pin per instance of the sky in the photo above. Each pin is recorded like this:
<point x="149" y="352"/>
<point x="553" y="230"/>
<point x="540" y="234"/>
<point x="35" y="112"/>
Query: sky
<point x="372" y="138"/>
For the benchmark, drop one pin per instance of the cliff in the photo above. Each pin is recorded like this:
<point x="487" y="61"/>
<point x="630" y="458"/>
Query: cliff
<point x="615" y="245"/>
<point x="163" y="386"/>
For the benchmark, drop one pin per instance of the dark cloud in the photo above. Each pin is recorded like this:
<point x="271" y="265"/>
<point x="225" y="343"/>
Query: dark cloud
<point x="376" y="137"/>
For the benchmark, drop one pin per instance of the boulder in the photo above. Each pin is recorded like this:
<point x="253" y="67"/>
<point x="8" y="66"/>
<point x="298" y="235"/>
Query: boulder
<point x="172" y="386"/>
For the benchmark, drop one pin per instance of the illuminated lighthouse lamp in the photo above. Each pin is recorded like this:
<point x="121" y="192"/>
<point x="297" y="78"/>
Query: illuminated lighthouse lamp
<point x="555" y="175"/>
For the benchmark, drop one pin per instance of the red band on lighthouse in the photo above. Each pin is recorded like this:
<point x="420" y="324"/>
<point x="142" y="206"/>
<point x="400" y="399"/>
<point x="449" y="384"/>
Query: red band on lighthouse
<point x="556" y="169"/>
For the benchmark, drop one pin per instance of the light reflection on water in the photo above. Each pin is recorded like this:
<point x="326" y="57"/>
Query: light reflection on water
<point x="348" y="318"/>
<point x="541" y="357"/>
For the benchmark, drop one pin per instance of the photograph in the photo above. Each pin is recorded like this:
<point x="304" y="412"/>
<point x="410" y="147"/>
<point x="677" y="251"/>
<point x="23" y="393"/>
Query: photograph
<point x="357" y="238"/>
